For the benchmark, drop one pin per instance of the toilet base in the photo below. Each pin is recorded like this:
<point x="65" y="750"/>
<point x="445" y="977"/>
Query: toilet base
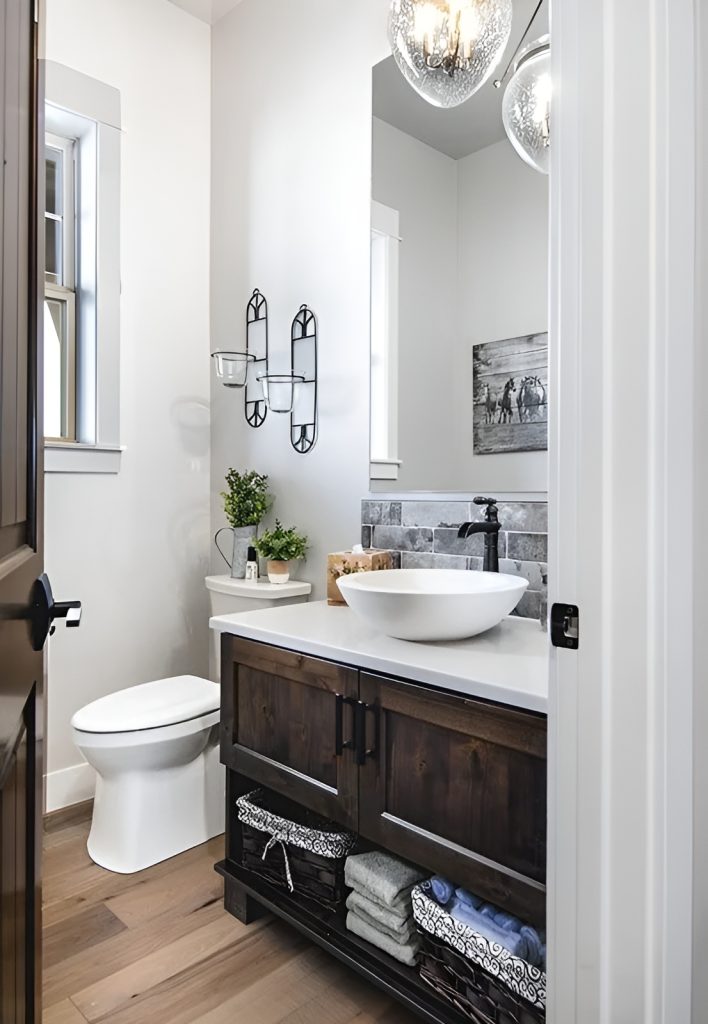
<point x="141" y="817"/>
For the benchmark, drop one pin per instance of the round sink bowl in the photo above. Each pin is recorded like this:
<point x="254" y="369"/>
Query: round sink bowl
<point x="431" y="604"/>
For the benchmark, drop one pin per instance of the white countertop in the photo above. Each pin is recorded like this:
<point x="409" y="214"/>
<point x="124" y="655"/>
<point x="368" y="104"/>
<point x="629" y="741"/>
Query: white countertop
<point x="508" y="664"/>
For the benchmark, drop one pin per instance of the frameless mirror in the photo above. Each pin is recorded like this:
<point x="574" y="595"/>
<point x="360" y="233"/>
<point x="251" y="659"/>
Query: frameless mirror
<point x="459" y="295"/>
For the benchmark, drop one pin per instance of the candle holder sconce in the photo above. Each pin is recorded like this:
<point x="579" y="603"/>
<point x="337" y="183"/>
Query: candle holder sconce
<point x="303" y="354"/>
<point x="256" y="407"/>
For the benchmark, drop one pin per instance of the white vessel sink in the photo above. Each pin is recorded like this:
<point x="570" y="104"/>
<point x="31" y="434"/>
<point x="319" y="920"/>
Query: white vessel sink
<point x="431" y="604"/>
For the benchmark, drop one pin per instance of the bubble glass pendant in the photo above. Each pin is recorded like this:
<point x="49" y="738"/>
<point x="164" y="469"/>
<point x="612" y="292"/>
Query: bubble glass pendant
<point x="526" y="109"/>
<point x="447" y="49"/>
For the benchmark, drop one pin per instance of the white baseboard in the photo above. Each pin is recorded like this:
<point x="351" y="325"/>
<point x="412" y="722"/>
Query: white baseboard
<point x="69" y="786"/>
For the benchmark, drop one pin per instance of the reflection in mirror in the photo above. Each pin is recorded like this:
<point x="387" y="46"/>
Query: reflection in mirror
<point x="459" y="296"/>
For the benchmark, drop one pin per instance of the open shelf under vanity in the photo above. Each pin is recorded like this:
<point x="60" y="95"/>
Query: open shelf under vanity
<point x="327" y="929"/>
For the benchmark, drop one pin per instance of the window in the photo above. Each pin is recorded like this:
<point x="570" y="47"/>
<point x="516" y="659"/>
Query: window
<point x="385" y="244"/>
<point x="59" y="290"/>
<point x="82" y="274"/>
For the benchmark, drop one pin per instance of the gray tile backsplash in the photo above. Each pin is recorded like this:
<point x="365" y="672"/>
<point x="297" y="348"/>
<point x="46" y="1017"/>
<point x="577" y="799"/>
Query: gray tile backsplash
<point x="423" y="535"/>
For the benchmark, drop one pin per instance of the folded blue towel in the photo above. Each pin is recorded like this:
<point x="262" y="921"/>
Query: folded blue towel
<point x="469" y="898"/>
<point x="508" y="922"/>
<point x="442" y="890"/>
<point x="494" y="924"/>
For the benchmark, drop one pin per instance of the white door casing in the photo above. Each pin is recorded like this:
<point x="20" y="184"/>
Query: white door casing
<point x="623" y="438"/>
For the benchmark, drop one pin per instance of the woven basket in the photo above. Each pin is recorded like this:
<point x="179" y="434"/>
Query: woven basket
<point x="486" y="982"/>
<point x="293" y="848"/>
<point x="477" y="994"/>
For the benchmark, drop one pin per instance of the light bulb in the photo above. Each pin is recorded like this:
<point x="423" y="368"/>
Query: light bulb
<point x="447" y="49"/>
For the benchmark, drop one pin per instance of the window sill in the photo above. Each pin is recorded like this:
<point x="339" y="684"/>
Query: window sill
<point x="81" y="458"/>
<point x="384" y="469"/>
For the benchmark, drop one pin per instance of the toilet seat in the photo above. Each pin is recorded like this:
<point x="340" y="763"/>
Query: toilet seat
<point x="138" y="737"/>
<point x="157" y="705"/>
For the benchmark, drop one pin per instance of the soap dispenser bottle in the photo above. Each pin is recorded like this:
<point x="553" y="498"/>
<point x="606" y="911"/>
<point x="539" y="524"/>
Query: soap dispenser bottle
<point x="252" y="565"/>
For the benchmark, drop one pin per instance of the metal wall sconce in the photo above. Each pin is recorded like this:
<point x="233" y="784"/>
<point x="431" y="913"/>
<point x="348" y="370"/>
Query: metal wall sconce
<point x="303" y="357"/>
<point x="256" y="313"/>
<point x="293" y="393"/>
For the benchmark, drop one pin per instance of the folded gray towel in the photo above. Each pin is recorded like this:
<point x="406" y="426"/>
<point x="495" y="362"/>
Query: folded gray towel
<point x="383" y="920"/>
<point x="381" y="877"/>
<point x="406" y="952"/>
<point x="400" y="908"/>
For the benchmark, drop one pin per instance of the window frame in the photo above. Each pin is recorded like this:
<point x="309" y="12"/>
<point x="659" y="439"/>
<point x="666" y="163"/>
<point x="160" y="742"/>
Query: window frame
<point x="385" y="234"/>
<point x="80" y="107"/>
<point x="62" y="289"/>
<point x="67" y="298"/>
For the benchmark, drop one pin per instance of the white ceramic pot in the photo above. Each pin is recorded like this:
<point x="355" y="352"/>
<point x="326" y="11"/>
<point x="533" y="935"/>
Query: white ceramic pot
<point x="278" y="572"/>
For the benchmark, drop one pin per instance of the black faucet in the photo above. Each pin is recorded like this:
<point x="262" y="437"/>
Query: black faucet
<point x="490" y="528"/>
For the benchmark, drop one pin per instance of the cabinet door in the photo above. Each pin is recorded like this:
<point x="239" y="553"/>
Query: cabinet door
<point x="458" y="786"/>
<point x="279" y="725"/>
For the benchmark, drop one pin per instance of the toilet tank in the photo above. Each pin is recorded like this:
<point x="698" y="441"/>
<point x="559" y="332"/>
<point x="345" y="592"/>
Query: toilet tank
<point x="227" y="596"/>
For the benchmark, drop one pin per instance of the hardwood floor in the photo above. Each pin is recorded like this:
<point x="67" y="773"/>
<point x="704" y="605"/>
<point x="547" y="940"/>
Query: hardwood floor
<point x="158" y="947"/>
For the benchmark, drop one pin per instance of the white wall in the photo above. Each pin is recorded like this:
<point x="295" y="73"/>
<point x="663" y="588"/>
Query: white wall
<point x="421" y="183"/>
<point x="502" y="293"/>
<point x="134" y="546"/>
<point x="291" y="190"/>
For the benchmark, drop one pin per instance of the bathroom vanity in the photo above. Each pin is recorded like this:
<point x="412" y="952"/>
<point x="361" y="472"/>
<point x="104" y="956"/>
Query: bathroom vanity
<point x="436" y="752"/>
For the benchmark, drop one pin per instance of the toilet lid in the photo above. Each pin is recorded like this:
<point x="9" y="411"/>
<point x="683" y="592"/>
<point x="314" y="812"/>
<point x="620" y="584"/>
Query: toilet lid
<point x="149" y="706"/>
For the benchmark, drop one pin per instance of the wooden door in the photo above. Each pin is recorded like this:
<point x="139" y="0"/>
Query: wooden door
<point x="458" y="786"/>
<point x="21" y="668"/>
<point x="281" y="715"/>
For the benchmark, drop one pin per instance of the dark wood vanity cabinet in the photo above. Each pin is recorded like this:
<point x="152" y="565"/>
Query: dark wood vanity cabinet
<point x="455" y="784"/>
<point x="279" y="711"/>
<point x="459" y="786"/>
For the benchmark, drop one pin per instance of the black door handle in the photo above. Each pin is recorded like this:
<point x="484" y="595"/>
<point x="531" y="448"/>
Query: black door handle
<point x="44" y="610"/>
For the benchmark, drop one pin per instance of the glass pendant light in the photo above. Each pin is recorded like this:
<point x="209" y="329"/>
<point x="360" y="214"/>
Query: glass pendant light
<point x="447" y="49"/>
<point x="526" y="110"/>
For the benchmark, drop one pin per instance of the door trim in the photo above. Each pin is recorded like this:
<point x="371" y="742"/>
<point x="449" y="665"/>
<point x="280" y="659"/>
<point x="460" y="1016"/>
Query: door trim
<point x="623" y="473"/>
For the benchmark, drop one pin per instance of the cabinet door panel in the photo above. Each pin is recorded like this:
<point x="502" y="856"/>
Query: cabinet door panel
<point x="278" y="725"/>
<point x="459" y="786"/>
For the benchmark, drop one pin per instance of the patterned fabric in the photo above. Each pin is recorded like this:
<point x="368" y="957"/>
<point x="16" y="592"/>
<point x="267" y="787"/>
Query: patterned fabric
<point x="326" y="844"/>
<point x="523" y="979"/>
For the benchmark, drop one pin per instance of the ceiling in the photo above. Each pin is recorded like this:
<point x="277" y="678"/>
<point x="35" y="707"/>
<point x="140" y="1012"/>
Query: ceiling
<point x="464" y="129"/>
<point x="207" y="10"/>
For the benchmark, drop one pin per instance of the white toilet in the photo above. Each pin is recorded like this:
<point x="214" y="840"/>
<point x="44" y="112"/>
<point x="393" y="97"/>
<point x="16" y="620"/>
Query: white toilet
<point x="159" y="783"/>
<point x="227" y="596"/>
<point x="155" y="750"/>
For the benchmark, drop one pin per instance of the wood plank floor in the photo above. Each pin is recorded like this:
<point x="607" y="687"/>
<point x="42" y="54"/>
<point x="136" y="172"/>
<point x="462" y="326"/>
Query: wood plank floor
<point x="158" y="947"/>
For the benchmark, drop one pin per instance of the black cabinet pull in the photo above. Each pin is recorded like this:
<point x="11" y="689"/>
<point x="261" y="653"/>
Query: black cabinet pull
<point x="340" y="744"/>
<point x="362" y="751"/>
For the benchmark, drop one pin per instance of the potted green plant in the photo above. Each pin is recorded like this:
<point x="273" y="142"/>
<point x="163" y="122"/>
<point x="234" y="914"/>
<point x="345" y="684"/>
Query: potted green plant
<point x="246" y="504"/>
<point x="281" y="546"/>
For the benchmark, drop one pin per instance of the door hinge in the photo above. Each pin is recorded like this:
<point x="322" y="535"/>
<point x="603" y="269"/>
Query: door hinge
<point x="565" y="626"/>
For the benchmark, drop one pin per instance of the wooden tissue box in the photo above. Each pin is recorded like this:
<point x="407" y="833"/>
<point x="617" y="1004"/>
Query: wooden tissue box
<point x="343" y="563"/>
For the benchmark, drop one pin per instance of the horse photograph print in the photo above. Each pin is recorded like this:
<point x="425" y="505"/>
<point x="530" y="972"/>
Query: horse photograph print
<point x="510" y="388"/>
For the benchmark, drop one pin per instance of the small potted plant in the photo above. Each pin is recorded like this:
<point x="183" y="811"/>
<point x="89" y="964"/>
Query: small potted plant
<point x="246" y="503"/>
<point x="281" y="547"/>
